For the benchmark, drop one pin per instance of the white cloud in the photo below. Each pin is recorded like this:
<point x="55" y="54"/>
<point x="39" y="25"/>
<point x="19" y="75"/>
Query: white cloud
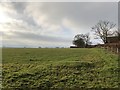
<point x="79" y="15"/>
<point x="60" y="1"/>
<point x="39" y="23"/>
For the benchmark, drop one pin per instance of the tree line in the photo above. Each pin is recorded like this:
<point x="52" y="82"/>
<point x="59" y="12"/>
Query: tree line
<point x="101" y="30"/>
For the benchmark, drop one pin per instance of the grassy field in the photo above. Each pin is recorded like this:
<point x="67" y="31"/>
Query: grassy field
<point x="48" y="69"/>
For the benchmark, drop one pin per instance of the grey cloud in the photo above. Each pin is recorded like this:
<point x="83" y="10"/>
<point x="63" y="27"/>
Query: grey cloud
<point x="19" y="7"/>
<point x="44" y="22"/>
<point x="34" y="40"/>
<point x="15" y="10"/>
<point x="79" y="12"/>
<point x="81" y="15"/>
<point x="37" y="37"/>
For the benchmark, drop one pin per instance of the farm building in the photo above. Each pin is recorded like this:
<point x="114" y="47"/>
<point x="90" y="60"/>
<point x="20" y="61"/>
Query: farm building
<point x="73" y="47"/>
<point x="112" y="39"/>
<point x="112" y="44"/>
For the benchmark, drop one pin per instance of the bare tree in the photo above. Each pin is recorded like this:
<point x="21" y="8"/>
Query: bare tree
<point x="103" y="29"/>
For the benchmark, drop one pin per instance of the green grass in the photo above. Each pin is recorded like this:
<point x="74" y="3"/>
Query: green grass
<point x="59" y="68"/>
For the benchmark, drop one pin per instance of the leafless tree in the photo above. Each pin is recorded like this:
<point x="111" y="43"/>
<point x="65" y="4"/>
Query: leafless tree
<point x="103" y="29"/>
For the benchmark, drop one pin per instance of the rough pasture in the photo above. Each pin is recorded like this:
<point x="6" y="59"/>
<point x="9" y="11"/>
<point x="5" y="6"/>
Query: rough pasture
<point x="68" y="68"/>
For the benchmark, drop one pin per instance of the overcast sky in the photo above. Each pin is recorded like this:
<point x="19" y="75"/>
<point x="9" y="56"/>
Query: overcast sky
<point x="51" y="24"/>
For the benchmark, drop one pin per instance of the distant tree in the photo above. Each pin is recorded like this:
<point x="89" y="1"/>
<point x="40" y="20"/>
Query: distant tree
<point x="56" y="47"/>
<point x="78" y="41"/>
<point x="82" y="40"/>
<point x="103" y="29"/>
<point x="86" y="38"/>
